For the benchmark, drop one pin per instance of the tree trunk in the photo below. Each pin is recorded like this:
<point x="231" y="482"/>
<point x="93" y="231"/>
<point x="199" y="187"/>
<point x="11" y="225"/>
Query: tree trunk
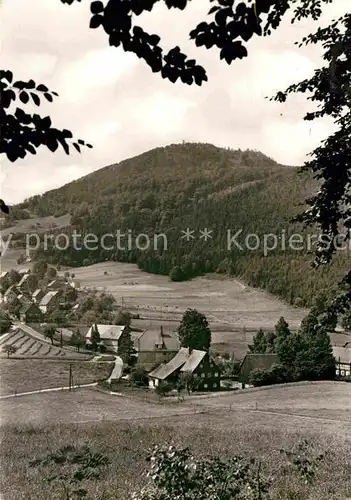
<point x="8" y="355"/>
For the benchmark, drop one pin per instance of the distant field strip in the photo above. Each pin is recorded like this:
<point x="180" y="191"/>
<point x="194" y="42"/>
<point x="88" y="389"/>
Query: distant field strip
<point x="27" y="347"/>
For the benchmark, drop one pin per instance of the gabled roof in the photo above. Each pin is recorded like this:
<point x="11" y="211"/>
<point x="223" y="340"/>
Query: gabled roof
<point x="193" y="361"/>
<point x="183" y="359"/>
<point x="52" y="282"/>
<point x="342" y="353"/>
<point x="253" y="362"/>
<point x="47" y="298"/>
<point x="37" y="292"/>
<point x="23" y="280"/>
<point x="4" y="274"/>
<point x="12" y="288"/>
<point x="150" y="339"/>
<point x="108" y="332"/>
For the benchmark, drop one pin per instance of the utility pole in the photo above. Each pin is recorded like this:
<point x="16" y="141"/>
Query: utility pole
<point x="70" y="381"/>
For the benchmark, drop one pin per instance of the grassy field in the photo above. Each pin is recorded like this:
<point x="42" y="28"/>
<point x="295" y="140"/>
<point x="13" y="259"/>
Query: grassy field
<point x="24" y="375"/>
<point x="225" y="302"/>
<point x="127" y="445"/>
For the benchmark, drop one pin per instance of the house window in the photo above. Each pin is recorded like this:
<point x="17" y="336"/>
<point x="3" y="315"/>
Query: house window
<point x="209" y="374"/>
<point x="214" y="385"/>
<point x="202" y="375"/>
<point x="195" y="375"/>
<point x="216" y="374"/>
<point x="205" y="386"/>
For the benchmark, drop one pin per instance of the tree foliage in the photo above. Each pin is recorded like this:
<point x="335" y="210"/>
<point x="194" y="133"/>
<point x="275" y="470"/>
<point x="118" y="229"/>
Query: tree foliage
<point x="126" y="348"/>
<point x="176" y="473"/>
<point x="50" y="331"/>
<point x="5" y="322"/>
<point x="303" y="355"/>
<point x="23" y="133"/>
<point x="95" y="337"/>
<point x="9" y="349"/>
<point x="77" y="339"/>
<point x="194" y="331"/>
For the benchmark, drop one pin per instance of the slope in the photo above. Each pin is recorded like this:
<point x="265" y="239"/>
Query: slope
<point x="197" y="186"/>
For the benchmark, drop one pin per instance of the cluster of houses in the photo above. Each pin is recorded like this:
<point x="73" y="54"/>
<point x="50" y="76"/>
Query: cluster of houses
<point x="160" y="353"/>
<point x="34" y="305"/>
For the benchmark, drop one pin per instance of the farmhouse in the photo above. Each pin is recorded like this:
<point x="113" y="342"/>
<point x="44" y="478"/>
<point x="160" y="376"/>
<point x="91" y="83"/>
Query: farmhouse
<point x="198" y="363"/>
<point x="155" y="346"/>
<point x="30" y="313"/>
<point x="342" y="356"/>
<point x="252" y="362"/>
<point x="49" y="302"/>
<point x="110" y="335"/>
<point x="37" y="295"/>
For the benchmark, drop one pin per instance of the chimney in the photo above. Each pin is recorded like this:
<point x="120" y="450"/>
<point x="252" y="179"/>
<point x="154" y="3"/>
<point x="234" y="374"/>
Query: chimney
<point x="190" y="349"/>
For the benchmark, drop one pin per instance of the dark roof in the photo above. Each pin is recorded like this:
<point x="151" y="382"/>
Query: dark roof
<point x="253" y="362"/>
<point x="342" y="353"/>
<point x="25" y="308"/>
<point x="151" y="338"/>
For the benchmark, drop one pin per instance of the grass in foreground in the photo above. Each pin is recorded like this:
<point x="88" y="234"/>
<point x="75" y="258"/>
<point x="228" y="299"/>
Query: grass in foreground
<point x="127" y="446"/>
<point x="22" y="375"/>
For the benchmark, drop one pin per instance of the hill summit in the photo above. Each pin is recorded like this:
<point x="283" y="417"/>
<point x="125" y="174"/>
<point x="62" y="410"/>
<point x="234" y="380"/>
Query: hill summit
<point x="198" y="197"/>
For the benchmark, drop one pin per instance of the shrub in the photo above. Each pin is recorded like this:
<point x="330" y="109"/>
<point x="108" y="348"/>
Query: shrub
<point x="277" y="374"/>
<point x="164" y="388"/>
<point x="139" y="377"/>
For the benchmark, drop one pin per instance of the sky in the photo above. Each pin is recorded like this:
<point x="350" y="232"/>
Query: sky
<point x="113" y="100"/>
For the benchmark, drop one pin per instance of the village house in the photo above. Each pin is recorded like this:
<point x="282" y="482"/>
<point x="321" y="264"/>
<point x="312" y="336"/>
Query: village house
<point x="155" y="346"/>
<point x="110" y="336"/>
<point x="342" y="355"/>
<point x="11" y="293"/>
<point x="37" y="295"/>
<point x="30" y="313"/>
<point x="49" y="302"/>
<point x="252" y="362"/>
<point x="195" y="362"/>
<point x="54" y="285"/>
<point x="23" y="283"/>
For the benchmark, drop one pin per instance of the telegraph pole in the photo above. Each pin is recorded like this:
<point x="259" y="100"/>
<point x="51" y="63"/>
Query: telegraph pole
<point x="70" y="381"/>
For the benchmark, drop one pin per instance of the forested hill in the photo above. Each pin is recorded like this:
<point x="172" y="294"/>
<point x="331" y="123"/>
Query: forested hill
<point x="196" y="186"/>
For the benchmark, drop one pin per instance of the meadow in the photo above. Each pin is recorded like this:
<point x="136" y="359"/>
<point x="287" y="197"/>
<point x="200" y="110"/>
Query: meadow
<point x="128" y="444"/>
<point x="25" y="375"/>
